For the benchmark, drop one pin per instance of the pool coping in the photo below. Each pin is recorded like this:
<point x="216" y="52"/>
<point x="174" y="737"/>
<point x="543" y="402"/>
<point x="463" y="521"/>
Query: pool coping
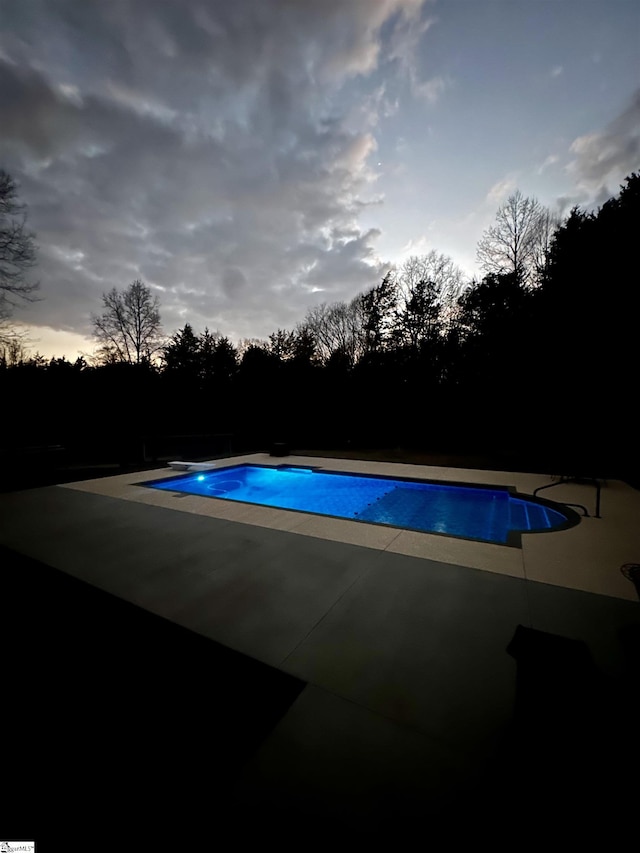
<point x="586" y="557"/>
<point x="514" y="537"/>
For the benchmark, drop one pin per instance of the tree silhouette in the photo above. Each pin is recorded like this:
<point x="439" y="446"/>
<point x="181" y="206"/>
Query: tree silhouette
<point x="12" y="349"/>
<point x="182" y="353"/>
<point x="543" y="373"/>
<point x="281" y="344"/>
<point x="418" y="315"/>
<point x="222" y="363"/>
<point x="517" y="242"/>
<point x="17" y="254"/>
<point x="588" y="315"/>
<point x="336" y="328"/>
<point x="129" y="327"/>
<point x="304" y="350"/>
<point x="377" y="310"/>
<point x="489" y="309"/>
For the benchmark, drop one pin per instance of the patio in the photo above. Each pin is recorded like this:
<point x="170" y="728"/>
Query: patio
<point x="397" y="638"/>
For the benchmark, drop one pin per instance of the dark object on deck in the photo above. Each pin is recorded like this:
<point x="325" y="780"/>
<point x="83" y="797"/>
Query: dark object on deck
<point x="555" y="680"/>
<point x="631" y="571"/>
<point x="568" y="748"/>
<point x="280" y="448"/>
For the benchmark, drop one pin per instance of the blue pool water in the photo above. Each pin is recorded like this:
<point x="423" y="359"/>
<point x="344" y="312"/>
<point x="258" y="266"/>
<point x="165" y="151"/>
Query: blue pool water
<point x="486" y="514"/>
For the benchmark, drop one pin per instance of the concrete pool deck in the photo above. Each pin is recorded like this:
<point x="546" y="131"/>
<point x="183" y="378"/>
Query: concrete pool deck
<point x="586" y="557"/>
<point x="400" y="637"/>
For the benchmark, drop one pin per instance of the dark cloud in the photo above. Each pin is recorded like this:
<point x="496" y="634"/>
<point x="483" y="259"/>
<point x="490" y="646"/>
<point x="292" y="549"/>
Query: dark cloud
<point x="603" y="159"/>
<point x="233" y="280"/>
<point x="199" y="146"/>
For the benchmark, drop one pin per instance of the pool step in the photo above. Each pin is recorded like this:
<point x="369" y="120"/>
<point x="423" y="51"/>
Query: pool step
<point x="442" y="510"/>
<point x="530" y="516"/>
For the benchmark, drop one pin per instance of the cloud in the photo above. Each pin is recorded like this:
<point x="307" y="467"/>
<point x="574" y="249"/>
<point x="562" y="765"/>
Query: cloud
<point x="549" y="161"/>
<point x="501" y="189"/>
<point x="404" y="50"/>
<point x="602" y="159"/>
<point x="370" y="109"/>
<point x="418" y="245"/>
<point x="557" y="71"/>
<point x="431" y="90"/>
<point x="204" y="148"/>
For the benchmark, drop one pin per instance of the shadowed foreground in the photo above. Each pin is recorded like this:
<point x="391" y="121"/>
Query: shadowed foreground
<point x="115" y="713"/>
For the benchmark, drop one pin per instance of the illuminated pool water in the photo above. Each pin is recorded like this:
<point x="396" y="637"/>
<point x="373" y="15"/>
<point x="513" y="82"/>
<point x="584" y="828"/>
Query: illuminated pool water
<point x="488" y="514"/>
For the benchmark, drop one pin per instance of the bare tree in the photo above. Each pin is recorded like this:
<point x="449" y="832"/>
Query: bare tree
<point x="12" y="349"/>
<point x="549" y="224"/>
<point x="246" y="343"/>
<point x="413" y="299"/>
<point x="447" y="279"/>
<point x="427" y="286"/>
<point x="129" y="328"/>
<point x="335" y="328"/>
<point x="518" y="239"/>
<point x="17" y="254"/>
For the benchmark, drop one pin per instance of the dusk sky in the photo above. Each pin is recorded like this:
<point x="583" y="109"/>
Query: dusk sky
<point x="253" y="158"/>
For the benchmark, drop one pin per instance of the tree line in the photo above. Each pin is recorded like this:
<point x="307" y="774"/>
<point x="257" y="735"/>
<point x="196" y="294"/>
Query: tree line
<point x="538" y="357"/>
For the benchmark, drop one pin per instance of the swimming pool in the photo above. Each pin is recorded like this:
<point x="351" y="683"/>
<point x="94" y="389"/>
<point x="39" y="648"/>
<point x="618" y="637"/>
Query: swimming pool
<point x="483" y="513"/>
